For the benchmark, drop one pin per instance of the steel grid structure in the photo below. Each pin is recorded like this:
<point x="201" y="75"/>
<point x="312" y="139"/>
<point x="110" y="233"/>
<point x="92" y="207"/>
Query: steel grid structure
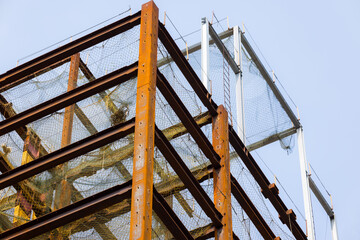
<point x="143" y="195"/>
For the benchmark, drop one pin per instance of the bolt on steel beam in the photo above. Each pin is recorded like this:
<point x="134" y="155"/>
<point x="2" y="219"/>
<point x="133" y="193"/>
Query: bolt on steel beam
<point x="144" y="141"/>
<point x="222" y="181"/>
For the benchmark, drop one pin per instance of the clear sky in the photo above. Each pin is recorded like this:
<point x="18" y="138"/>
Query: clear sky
<point x="312" y="46"/>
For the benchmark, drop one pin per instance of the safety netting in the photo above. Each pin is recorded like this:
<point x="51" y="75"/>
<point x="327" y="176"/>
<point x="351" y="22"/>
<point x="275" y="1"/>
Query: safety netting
<point x="112" y="164"/>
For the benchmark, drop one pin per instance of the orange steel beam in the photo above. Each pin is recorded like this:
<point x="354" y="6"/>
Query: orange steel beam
<point x="69" y="110"/>
<point x="144" y="141"/>
<point x="63" y="189"/>
<point x="222" y="180"/>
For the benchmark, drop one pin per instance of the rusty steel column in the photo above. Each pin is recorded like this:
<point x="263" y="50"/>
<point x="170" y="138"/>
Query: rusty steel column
<point x="142" y="194"/>
<point x="69" y="110"/>
<point x="63" y="192"/>
<point x="222" y="176"/>
<point x="63" y="189"/>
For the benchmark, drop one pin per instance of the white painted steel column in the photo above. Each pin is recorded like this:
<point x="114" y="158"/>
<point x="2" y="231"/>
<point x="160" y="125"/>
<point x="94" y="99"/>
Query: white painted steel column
<point x="305" y="185"/>
<point x="334" y="232"/>
<point x="205" y="53"/>
<point x="239" y="90"/>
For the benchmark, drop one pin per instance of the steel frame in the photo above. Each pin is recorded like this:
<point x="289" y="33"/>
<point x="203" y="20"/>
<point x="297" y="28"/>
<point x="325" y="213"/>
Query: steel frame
<point x="221" y="176"/>
<point x="70" y="213"/>
<point x="111" y="196"/>
<point x="184" y="115"/>
<point x="144" y="141"/>
<point x="269" y="190"/>
<point x="65" y="154"/>
<point x="169" y="218"/>
<point x="225" y="52"/>
<point x="187" y="177"/>
<point x="16" y="75"/>
<point x="68" y="98"/>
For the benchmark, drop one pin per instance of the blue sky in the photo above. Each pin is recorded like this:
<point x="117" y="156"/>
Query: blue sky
<point x="312" y="46"/>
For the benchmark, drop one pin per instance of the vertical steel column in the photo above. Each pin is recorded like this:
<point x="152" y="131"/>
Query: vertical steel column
<point x="63" y="190"/>
<point x="205" y="53"/>
<point x="69" y="111"/>
<point x="334" y="232"/>
<point x="305" y="185"/>
<point x="239" y="90"/>
<point x="142" y="193"/>
<point x="222" y="176"/>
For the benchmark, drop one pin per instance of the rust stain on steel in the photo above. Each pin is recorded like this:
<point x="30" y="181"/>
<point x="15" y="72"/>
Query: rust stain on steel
<point x="69" y="110"/>
<point x="63" y="189"/>
<point x="222" y="180"/>
<point x="142" y="194"/>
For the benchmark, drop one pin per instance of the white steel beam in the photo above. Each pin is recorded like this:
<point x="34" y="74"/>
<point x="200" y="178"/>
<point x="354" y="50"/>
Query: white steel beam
<point x="320" y="197"/>
<point x="305" y="185"/>
<point x="205" y="53"/>
<point x="239" y="90"/>
<point x="328" y="209"/>
<point x="334" y="232"/>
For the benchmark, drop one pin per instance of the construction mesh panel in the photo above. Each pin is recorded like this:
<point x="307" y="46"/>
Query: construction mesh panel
<point x="112" y="164"/>
<point x="253" y="191"/>
<point x="111" y="223"/>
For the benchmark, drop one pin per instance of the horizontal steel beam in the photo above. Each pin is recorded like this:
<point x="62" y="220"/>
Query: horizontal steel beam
<point x="186" y="69"/>
<point x="35" y="74"/>
<point x="187" y="177"/>
<point x="70" y="213"/>
<point x="169" y="218"/>
<point x="269" y="190"/>
<point x="224" y="51"/>
<point x="320" y="198"/>
<point x="269" y="81"/>
<point x="13" y="77"/>
<point x="68" y="98"/>
<point x="67" y="153"/>
<point x="273" y="138"/>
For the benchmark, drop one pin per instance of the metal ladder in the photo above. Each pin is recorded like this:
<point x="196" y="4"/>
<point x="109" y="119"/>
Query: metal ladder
<point x="226" y="83"/>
